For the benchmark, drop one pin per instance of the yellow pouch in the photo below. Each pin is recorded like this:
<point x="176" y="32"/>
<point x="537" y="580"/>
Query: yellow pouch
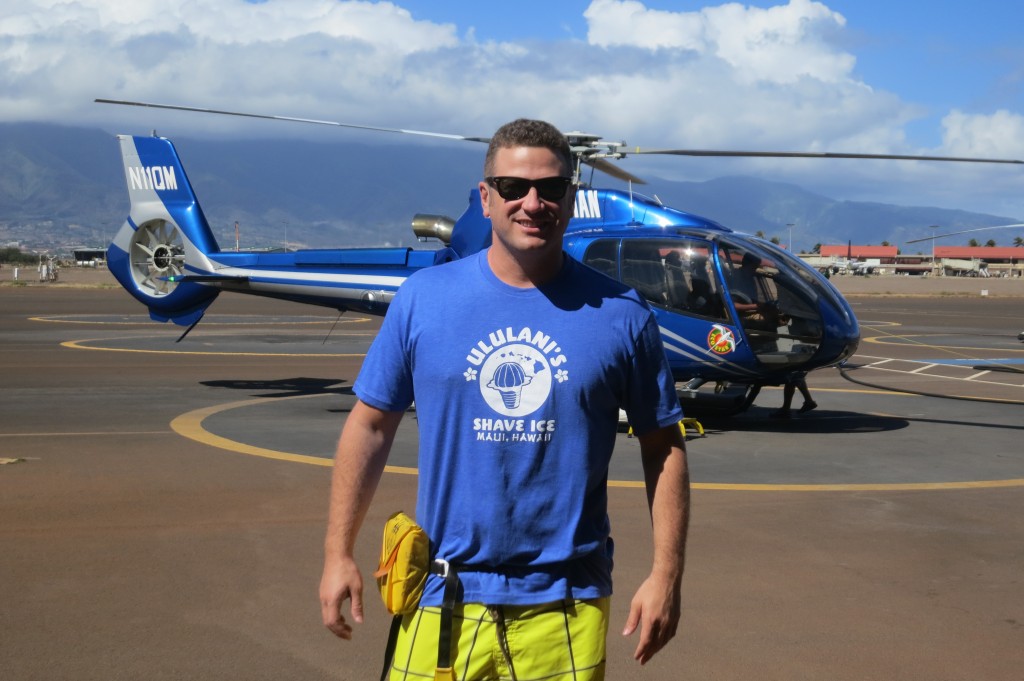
<point x="404" y="564"/>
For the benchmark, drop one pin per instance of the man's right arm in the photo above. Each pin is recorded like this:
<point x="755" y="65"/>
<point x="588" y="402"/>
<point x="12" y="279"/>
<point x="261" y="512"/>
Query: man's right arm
<point x="358" y="464"/>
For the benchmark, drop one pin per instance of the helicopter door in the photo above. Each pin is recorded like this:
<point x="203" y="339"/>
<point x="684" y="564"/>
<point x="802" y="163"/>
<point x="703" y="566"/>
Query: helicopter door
<point x="693" y="289"/>
<point x="644" y="270"/>
<point x="779" y="312"/>
<point x="671" y="274"/>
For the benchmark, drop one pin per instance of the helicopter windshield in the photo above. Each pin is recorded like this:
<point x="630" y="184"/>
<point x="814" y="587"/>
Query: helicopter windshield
<point x="777" y="309"/>
<point x="673" y="274"/>
<point x="808" y="277"/>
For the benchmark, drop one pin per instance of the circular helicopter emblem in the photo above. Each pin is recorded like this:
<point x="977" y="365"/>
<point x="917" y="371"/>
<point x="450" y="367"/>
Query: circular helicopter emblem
<point x="721" y="340"/>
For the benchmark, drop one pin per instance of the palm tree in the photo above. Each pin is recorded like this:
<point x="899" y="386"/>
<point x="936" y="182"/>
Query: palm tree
<point x="990" y="243"/>
<point x="1018" y="241"/>
<point x="972" y="243"/>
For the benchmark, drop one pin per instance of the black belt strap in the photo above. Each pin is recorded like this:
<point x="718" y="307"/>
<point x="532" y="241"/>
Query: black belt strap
<point x="389" y="651"/>
<point x="451" y="589"/>
<point x="450" y="575"/>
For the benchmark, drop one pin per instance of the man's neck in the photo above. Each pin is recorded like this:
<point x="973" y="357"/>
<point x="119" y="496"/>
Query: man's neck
<point x="524" y="270"/>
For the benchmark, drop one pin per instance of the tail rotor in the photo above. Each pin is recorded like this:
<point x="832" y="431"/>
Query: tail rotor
<point x="157" y="257"/>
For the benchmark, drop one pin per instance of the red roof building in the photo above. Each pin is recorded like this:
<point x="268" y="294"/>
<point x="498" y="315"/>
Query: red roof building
<point x="950" y="260"/>
<point x="883" y="253"/>
<point x="986" y="253"/>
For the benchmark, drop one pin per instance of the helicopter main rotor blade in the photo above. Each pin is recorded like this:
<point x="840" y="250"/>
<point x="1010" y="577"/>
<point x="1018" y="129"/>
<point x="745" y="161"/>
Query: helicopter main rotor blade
<point x="599" y="164"/>
<point x="609" y="168"/>
<point x="965" y="231"/>
<point x="292" y="119"/>
<point x="811" y="154"/>
<point x="588" y="142"/>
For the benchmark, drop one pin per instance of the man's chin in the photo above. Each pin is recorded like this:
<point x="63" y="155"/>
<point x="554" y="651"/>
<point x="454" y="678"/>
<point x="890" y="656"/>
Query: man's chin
<point x="542" y="234"/>
<point x="538" y="242"/>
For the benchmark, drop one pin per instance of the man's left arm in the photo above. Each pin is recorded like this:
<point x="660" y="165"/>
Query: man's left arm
<point x="655" y="608"/>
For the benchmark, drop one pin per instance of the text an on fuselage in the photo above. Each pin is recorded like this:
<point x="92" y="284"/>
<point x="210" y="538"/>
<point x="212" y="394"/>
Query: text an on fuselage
<point x="587" y="205"/>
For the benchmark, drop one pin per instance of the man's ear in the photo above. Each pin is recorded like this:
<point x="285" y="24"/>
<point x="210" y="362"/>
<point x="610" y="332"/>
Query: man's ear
<point x="485" y="197"/>
<point x="573" y="189"/>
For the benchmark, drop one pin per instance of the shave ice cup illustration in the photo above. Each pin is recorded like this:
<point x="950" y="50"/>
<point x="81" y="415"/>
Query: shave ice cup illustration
<point x="509" y="379"/>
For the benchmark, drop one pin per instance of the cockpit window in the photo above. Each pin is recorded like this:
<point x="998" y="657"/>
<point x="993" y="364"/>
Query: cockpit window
<point x="776" y="308"/>
<point x="673" y="274"/>
<point x="809" y="278"/>
<point x="603" y="256"/>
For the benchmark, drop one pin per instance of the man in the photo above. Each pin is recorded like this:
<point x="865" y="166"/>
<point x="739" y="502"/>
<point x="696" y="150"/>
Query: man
<point x="518" y="359"/>
<point x="795" y="381"/>
<point x="745" y="288"/>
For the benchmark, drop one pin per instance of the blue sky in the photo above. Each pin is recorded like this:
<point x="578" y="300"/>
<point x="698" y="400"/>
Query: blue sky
<point x="941" y="77"/>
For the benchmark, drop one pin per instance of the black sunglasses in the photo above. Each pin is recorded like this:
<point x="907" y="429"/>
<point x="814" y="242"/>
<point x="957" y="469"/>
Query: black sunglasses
<point x="515" y="188"/>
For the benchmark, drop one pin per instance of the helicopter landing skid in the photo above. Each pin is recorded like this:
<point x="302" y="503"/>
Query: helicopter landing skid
<point x="723" y="399"/>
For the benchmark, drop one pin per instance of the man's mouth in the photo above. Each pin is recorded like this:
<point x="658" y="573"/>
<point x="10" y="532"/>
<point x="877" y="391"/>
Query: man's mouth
<point x="532" y="226"/>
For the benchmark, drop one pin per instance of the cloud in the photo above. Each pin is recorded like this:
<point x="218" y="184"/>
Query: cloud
<point x="781" y="44"/>
<point x="233" y="22"/>
<point x="728" y="76"/>
<point x="683" y="78"/>
<point x="720" y="76"/>
<point x="56" y="56"/>
<point x="997" y="135"/>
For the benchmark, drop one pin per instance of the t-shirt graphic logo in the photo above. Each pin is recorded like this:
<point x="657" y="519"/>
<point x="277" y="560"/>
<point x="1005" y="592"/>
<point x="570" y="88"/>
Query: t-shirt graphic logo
<point x="515" y="370"/>
<point x="515" y="380"/>
<point x="509" y="380"/>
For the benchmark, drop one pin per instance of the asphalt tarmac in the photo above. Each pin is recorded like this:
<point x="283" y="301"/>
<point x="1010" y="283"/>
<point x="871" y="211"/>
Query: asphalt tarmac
<point x="164" y="513"/>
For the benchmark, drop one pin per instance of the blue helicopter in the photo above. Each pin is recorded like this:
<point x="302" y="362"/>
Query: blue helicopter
<point x="735" y="311"/>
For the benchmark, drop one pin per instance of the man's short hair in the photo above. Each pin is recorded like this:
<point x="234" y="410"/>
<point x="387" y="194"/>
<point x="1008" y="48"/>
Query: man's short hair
<point x="525" y="132"/>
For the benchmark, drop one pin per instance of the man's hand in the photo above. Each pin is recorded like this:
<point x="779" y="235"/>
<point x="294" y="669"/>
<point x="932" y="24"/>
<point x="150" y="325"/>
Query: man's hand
<point x="358" y="464"/>
<point x="655" y="609"/>
<point x="341" y="580"/>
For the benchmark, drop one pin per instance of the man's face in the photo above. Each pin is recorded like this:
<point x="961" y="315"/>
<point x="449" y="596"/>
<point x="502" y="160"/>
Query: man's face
<point x="530" y="223"/>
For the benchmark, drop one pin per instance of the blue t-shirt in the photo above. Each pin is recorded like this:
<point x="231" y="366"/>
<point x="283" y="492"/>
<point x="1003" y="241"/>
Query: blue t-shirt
<point x="517" y="395"/>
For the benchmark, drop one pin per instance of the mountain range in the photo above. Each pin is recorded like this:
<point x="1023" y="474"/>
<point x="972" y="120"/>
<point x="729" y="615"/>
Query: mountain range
<point x="64" y="186"/>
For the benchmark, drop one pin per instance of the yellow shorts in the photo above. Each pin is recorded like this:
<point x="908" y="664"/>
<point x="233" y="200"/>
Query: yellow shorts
<point x="556" y="642"/>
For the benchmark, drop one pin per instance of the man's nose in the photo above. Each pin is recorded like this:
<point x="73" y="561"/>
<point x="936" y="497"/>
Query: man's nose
<point x="531" y="201"/>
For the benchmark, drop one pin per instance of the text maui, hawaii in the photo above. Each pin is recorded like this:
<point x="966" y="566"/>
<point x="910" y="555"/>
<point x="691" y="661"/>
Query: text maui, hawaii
<point x="513" y="430"/>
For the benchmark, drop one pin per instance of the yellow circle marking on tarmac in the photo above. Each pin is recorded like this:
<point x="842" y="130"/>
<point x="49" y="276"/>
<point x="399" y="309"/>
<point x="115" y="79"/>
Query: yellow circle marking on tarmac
<point x="909" y="340"/>
<point x="866" y="487"/>
<point x="79" y="345"/>
<point x="190" y="425"/>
